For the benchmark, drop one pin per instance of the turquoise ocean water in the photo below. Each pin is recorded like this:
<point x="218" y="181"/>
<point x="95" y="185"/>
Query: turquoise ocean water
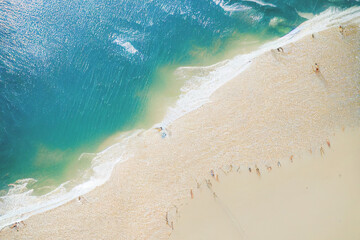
<point x="72" y="73"/>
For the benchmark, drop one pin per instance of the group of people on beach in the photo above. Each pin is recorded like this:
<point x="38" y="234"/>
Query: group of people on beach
<point x="164" y="133"/>
<point x="17" y="225"/>
<point x="315" y="67"/>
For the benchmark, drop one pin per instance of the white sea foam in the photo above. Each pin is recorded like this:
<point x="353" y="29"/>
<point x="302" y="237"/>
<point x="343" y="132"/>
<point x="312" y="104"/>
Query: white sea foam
<point x="305" y="15"/>
<point x="126" y="45"/>
<point x="202" y="82"/>
<point x="236" y="7"/>
<point x="19" y="203"/>
<point x="126" y="37"/>
<point x="261" y="3"/>
<point x="275" y="21"/>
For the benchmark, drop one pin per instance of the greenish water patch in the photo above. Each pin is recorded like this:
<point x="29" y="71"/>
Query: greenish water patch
<point x="73" y="73"/>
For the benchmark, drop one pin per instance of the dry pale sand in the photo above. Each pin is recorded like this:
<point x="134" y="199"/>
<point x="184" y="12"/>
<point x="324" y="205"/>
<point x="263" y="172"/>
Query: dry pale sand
<point x="315" y="197"/>
<point x="276" y="108"/>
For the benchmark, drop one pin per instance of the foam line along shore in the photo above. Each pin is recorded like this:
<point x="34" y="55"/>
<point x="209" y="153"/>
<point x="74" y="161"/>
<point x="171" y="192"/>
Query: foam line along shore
<point x="291" y="108"/>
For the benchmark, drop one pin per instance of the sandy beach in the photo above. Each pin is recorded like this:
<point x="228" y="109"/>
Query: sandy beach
<point x="280" y="111"/>
<point x="313" y="197"/>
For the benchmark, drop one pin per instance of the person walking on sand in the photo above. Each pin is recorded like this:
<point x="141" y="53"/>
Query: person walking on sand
<point x="341" y="30"/>
<point x="214" y="195"/>
<point x="316" y="68"/>
<point x="258" y="171"/>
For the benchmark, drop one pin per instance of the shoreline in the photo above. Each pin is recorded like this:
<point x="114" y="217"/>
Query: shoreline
<point x="150" y="135"/>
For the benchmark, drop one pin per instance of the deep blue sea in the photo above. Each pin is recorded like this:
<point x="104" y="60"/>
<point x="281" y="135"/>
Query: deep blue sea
<point x="72" y="73"/>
